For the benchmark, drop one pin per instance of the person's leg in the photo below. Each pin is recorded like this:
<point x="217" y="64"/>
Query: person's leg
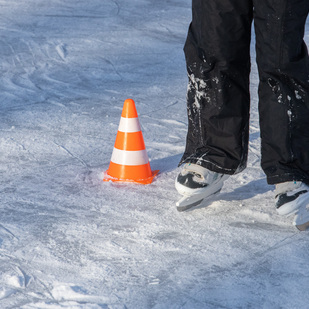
<point x="283" y="64"/>
<point x="217" y="54"/>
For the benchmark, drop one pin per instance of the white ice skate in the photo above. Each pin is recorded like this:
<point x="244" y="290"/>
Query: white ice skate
<point x="197" y="184"/>
<point x="292" y="198"/>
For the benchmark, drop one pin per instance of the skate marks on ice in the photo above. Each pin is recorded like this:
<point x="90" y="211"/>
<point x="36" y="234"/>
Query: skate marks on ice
<point x="40" y="62"/>
<point x="265" y="226"/>
<point x="56" y="8"/>
<point x="271" y="278"/>
<point x="7" y="281"/>
<point x="17" y="283"/>
<point x="24" y="285"/>
<point x="20" y="289"/>
<point x="266" y="260"/>
<point x="79" y="9"/>
<point x="14" y="279"/>
<point x="71" y="296"/>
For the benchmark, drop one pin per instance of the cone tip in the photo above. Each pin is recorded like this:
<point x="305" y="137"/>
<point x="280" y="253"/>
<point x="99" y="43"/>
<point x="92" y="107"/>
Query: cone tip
<point x="129" y="109"/>
<point x="129" y="101"/>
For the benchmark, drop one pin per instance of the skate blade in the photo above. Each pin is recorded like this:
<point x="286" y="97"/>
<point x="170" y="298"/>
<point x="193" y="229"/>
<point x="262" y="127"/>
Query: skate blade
<point x="186" y="207"/>
<point x="189" y="202"/>
<point x="303" y="227"/>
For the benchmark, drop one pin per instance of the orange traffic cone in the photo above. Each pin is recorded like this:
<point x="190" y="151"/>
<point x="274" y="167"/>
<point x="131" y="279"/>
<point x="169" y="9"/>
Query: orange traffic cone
<point x="129" y="162"/>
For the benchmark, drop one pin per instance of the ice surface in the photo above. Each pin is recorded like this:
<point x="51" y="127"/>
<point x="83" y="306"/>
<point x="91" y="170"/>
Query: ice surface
<point x="70" y="240"/>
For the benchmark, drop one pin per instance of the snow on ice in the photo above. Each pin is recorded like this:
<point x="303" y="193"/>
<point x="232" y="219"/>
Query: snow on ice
<point x="70" y="240"/>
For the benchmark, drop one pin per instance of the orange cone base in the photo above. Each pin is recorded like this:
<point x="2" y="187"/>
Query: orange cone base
<point x="128" y="173"/>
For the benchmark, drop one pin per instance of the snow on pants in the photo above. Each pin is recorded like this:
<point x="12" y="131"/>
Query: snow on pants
<point x="217" y="53"/>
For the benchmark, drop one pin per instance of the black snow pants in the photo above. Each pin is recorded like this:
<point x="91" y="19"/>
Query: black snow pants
<point x="217" y="53"/>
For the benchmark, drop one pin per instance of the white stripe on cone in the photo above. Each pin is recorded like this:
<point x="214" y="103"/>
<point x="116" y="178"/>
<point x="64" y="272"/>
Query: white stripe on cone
<point x="123" y="157"/>
<point x="129" y="125"/>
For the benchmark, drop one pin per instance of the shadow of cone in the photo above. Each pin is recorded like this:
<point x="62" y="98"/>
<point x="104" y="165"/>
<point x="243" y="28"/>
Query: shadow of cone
<point x="129" y="162"/>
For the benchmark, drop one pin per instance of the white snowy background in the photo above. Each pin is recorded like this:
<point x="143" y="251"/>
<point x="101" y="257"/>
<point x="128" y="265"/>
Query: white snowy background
<point x="70" y="240"/>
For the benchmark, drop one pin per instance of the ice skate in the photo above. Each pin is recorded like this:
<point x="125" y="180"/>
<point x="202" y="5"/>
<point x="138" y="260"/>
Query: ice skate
<point x="292" y="198"/>
<point x="196" y="184"/>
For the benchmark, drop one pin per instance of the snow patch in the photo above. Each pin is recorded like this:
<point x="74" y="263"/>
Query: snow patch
<point x="297" y="95"/>
<point x="62" y="51"/>
<point x="5" y="292"/>
<point x="64" y="305"/>
<point x="63" y="292"/>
